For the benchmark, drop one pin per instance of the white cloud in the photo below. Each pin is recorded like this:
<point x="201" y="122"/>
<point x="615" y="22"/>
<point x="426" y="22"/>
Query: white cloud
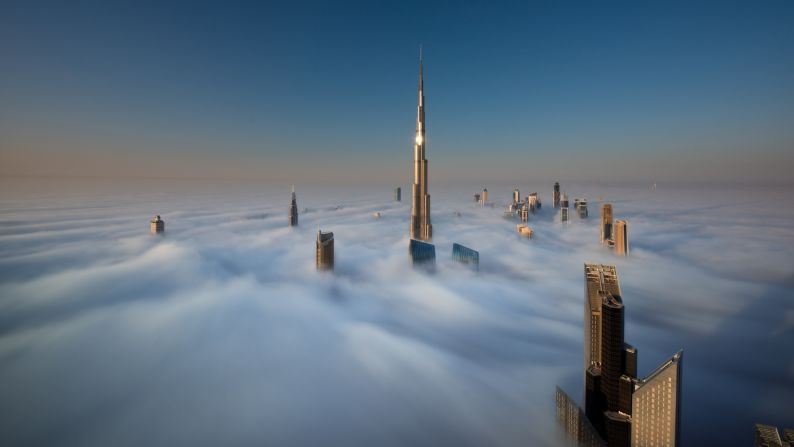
<point x="222" y="332"/>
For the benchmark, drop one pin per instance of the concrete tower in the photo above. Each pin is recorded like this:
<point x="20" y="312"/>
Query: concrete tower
<point x="421" y="228"/>
<point x="621" y="237"/>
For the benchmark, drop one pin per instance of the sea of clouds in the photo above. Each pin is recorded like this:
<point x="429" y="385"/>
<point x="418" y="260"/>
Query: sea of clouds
<point x="221" y="332"/>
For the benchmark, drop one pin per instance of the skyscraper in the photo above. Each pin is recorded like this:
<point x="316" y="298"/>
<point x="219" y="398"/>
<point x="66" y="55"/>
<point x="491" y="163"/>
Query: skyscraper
<point x="600" y="281"/>
<point x="655" y="413"/>
<point x="325" y="250"/>
<point x="606" y="222"/>
<point x="574" y="423"/>
<point x="564" y="201"/>
<point x="484" y="196"/>
<point x="621" y="237"/>
<point x="625" y="411"/>
<point x="293" y="209"/>
<point x="157" y="225"/>
<point x="516" y="196"/>
<point x="398" y="194"/>
<point x="564" y="214"/>
<point x="581" y="208"/>
<point x="555" y="198"/>
<point x="421" y="228"/>
<point x="422" y="253"/>
<point x="465" y="255"/>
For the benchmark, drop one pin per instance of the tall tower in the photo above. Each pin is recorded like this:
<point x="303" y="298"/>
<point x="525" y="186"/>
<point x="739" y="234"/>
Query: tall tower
<point x="421" y="228"/>
<point x="293" y="210"/>
<point x="555" y="198"/>
<point x="606" y="222"/>
<point x="325" y="250"/>
<point x="621" y="237"/>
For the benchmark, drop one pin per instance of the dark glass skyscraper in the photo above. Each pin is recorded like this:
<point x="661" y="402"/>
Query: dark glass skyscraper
<point x="293" y="210"/>
<point x="466" y="255"/>
<point x="422" y="253"/>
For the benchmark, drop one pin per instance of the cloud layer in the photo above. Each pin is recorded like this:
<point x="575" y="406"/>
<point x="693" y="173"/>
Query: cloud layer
<point x="222" y="332"/>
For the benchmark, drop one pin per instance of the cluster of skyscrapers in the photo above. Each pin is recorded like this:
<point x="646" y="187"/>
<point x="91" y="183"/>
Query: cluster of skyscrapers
<point x="621" y="410"/>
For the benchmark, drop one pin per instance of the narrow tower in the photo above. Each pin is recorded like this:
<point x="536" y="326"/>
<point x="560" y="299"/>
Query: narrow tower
<point x="421" y="228"/>
<point x="293" y="210"/>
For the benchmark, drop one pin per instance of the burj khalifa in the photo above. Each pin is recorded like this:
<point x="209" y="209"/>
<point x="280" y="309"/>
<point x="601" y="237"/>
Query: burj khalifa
<point x="421" y="228"/>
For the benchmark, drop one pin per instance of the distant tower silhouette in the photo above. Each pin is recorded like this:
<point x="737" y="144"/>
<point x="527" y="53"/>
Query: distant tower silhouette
<point x="325" y="250"/>
<point x="157" y="225"/>
<point x="293" y="209"/>
<point x="555" y="198"/>
<point x="606" y="222"/>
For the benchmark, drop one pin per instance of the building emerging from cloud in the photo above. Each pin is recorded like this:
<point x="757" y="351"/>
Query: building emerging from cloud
<point x="325" y="250"/>
<point x="293" y="209"/>
<point x="157" y="225"/>
<point x="421" y="228"/>
<point x="422" y="253"/>
<point x="465" y="255"/>
<point x="624" y="410"/>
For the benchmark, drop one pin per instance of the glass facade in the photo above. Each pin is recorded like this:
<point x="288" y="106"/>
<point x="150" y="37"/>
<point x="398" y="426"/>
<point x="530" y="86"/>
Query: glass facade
<point x="466" y="255"/>
<point x="422" y="253"/>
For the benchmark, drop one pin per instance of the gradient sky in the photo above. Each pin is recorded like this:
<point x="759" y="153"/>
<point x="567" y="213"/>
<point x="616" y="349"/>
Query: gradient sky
<point x="298" y="91"/>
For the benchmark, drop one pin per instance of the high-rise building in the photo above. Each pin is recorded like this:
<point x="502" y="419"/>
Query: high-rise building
<point x="600" y="281"/>
<point x="606" y="222"/>
<point x="293" y="209"/>
<point x="477" y="198"/>
<point x="422" y="253"/>
<point x="581" y="208"/>
<point x="563" y="214"/>
<point x="421" y="228"/>
<point x="577" y="428"/>
<point x="524" y="230"/>
<point x="621" y="237"/>
<point x="484" y="196"/>
<point x="564" y="201"/>
<point x="157" y="225"/>
<point x="325" y="250"/>
<point x="768" y="436"/>
<point x="524" y="213"/>
<point x="624" y="410"/>
<point x="655" y="413"/>
<point x="516" y="196"/>
<point x="555" y="198"/>
<point x="533" y="202"/>
<point x="466" y="255"/>
<point x="398" y="194"/>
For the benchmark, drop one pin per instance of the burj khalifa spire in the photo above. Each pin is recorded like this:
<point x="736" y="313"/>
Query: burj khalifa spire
<point x="421" y="228"/>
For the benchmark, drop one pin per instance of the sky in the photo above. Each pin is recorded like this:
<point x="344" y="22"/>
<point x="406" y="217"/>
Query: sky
<point x="325" y="92"/>
<point x="221" y="332"/>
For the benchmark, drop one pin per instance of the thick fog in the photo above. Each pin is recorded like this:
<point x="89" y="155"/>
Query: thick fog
<point x="221" y="332"/>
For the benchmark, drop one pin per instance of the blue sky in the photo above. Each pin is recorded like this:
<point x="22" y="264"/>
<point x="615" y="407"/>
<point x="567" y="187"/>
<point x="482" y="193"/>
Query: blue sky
<point x="678" y="90"/>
